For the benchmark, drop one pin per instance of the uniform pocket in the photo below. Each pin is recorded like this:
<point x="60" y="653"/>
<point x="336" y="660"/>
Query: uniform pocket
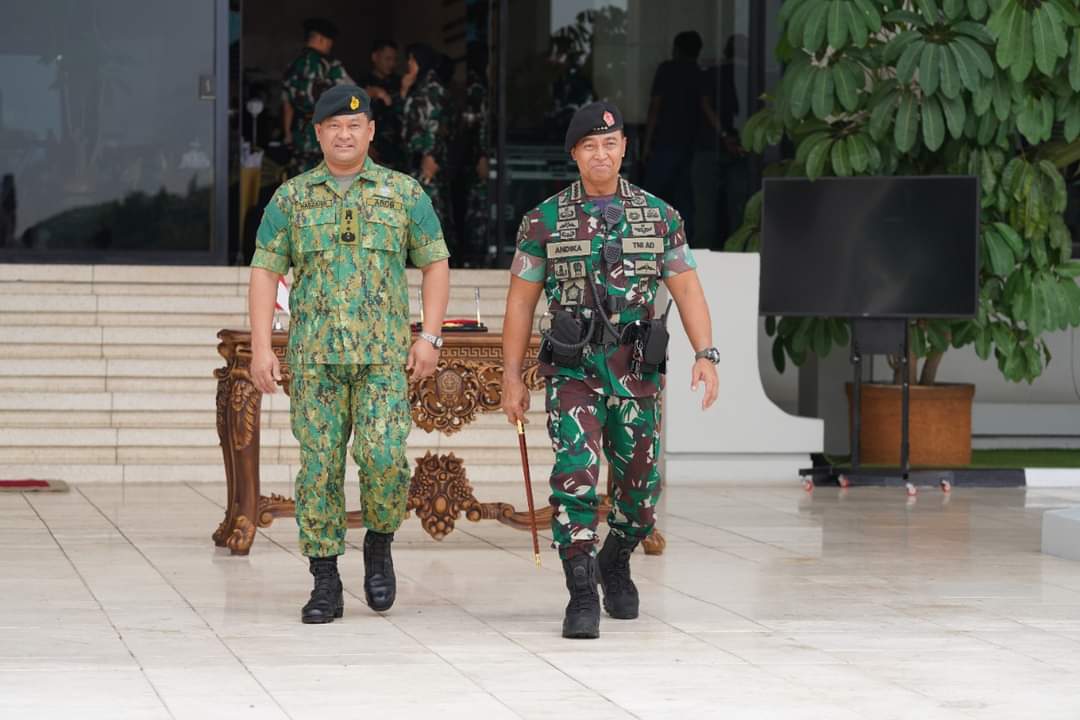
<point x="315" y="230"/>
<point x="385" y="227"/>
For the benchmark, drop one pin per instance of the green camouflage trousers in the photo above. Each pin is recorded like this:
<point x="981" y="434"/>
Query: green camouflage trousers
<point x="580" y="423"/>
<point x="327" y="403"/>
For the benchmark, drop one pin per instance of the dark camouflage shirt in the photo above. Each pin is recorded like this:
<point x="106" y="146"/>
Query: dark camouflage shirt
<point x="561" y="244"/>
<point x="388" y="146"/>
<point x="349" y="302"/>
<point x="309" y="76"/>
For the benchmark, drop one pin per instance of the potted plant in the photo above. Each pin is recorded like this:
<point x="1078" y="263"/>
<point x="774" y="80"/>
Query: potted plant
<point x="989" y="88"/>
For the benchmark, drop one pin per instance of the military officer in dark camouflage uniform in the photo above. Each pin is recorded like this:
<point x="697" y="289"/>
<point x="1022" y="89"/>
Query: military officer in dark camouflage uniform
<point x="309" y="75"/>
<point x="383" y="84"/>
<point x="599" y="250"/>
<point x="346" y="228"/>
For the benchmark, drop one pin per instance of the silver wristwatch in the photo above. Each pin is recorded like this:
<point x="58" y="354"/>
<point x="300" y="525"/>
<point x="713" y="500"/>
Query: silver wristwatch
<point x="711" y="354"/>
<point x="433" y="339"/>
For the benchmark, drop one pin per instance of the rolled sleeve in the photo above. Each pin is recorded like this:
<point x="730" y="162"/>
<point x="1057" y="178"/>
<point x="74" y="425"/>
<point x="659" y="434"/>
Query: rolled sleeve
<point x="530" y="258"/>
<point x="272" y="242"/>
<point x="528" y="267"/>
<point x="426" y="242"/>
<point x="679" y="260"/>
<point x="678" y="257"/>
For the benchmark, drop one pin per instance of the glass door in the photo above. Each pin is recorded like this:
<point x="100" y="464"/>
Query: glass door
<point x="110" y="135"/>
<point x="686" y="75"/>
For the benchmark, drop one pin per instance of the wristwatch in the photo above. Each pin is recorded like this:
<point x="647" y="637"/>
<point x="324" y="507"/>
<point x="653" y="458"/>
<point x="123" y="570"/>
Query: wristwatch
<point x="433" y="339"/>
<point x="711" y="354"/>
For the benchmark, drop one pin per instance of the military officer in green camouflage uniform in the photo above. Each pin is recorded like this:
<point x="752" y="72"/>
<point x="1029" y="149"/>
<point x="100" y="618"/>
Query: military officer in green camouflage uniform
<point x="425" y="129"/>
<point x="309" y="75"/>
<point x="346" y="228"/>
<point x="599" y="250"/>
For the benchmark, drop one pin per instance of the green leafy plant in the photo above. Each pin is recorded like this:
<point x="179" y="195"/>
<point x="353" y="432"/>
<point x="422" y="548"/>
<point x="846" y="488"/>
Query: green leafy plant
<point x="989" y="88"/>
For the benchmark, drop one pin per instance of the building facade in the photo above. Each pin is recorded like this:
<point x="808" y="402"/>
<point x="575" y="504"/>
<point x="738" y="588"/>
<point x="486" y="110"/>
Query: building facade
<point x="128" y="132"/>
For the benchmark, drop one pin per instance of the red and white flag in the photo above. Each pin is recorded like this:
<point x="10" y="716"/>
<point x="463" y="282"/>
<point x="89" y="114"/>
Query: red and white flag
<point x="282" y="304"/>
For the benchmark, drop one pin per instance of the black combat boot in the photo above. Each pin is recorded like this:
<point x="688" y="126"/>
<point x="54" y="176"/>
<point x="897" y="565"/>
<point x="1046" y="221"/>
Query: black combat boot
<point x="380" y="585"/>
<point x="613" y="562"/>
<point x="583" y="613"/>
<point x="326" y="601"/>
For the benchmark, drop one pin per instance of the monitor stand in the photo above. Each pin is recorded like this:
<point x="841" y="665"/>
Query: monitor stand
<point x="883" y="336"/>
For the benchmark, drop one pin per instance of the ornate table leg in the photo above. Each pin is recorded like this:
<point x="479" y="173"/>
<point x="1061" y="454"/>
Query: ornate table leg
<point x="225" y="528"/>
<point x="238" y="404"/>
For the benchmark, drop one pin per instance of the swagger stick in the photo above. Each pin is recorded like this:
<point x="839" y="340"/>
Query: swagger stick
<point x="528" y="490"/>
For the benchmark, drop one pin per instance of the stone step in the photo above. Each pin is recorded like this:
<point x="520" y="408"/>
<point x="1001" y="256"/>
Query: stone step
<point x="209" y="322"/>
<point x="50" y="385"/>
<point x="112" y="368"/>
<point x="48" y="303"/>
<point x="63" y="335"/>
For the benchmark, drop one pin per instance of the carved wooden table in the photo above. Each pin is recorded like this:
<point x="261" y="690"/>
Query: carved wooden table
<point x="467" y="381"/>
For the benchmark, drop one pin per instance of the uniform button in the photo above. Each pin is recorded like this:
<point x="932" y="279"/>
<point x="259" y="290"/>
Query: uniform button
<point x="348" y="237"/>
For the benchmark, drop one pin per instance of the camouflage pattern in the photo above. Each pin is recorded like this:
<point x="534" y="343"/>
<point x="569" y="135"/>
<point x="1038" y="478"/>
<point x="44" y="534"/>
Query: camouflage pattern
<point x="387" y="148"/>
<point x="580" y="423"/>
<point x="349" y="302"/>
<point x="327" y="403"/>
<point x="425" y="131"/>
<point x="652" y="246"/>
<point x="474" y="136"/>
<point x="309" y="75"/>
<point x="348" y="336"/>
<point x="602" y="404"/>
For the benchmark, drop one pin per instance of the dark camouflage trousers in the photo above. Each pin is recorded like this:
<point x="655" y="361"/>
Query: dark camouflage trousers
<point x="329" y="402"/>
<point x="581" y="423"/>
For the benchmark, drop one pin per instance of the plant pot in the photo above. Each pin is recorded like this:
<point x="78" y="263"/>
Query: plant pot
<point x="939" y="427"/>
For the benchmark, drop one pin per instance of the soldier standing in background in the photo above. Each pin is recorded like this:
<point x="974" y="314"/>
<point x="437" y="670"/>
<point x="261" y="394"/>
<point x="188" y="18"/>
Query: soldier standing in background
<point x="599" y="250"/>
<point x="383" y="84"/>
<point x="475" y="140"/>
<point x="309" y="75"/>
<point x="425" y="129"/>
<point x="346" y="228"/>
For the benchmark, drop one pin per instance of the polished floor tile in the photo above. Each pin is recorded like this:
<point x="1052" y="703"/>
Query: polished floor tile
<point x="768" y="603"/>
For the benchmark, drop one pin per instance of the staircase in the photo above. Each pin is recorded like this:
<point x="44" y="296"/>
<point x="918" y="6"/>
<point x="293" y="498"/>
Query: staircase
<point x="106" y="375"/>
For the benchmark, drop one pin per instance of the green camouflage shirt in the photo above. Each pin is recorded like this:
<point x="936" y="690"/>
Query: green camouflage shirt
<point x="307" y="77"/>
<point x="560" y="243"/>
<point x="349" y="302"/>
<point x="425" y="125"/>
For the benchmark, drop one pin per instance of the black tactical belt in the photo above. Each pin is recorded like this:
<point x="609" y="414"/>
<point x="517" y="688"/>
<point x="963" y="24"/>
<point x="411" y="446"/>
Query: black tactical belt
<point x="602" y="335"/>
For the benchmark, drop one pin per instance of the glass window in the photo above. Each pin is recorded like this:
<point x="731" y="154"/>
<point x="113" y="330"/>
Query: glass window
<point x="106" y="128"/>
<point x="680" y="71"/>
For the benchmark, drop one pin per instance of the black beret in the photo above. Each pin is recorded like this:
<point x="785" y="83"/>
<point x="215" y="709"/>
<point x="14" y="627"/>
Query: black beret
<point x="322" y="26"/>
<point x="595" y="118"/>
<point x="341" y="100"/>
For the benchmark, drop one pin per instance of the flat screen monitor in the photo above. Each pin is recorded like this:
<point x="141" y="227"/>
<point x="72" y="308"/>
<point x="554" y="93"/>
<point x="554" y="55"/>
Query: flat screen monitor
<point x="878" y="247"/>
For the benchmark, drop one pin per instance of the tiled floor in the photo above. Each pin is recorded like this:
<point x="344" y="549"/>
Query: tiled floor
<point x="767" y="604"/>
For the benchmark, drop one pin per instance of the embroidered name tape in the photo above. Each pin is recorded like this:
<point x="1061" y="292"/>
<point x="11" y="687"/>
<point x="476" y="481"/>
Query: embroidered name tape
<point x="642" y="245"/>
<point x="573" y="248"/>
